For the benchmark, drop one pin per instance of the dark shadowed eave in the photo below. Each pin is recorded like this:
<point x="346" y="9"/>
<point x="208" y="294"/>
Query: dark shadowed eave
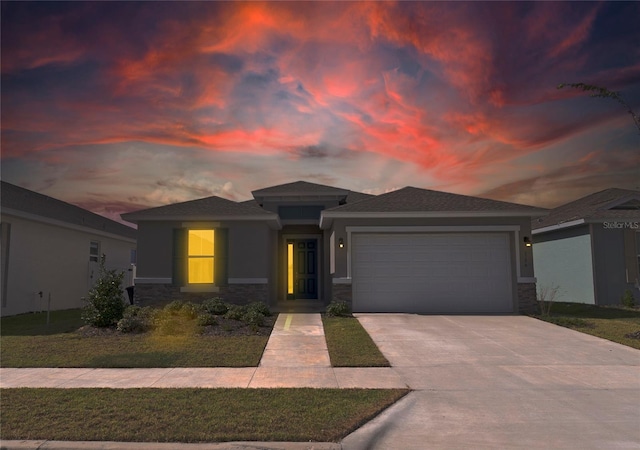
<point x="209" y="208"/>
<point x="15" y="199"/>
<point x="609" y="204"/>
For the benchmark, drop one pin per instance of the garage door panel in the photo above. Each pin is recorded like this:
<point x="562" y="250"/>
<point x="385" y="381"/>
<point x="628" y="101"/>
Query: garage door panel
<point x="432" y="273"/>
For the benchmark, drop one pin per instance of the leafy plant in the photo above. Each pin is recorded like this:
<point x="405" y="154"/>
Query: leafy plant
<point x="628" y="300"/>
<point x="136" y="319"/>
<point x="105" y="305"/>
<point x="205" y="319"/>
<point x="253" y="318"/>
<point x="338" y="309"/>
<point x="597" y="91"/>
<point x="236" y="312"/>
<point x="215" y="306"/>
<point x="260" y="307"/>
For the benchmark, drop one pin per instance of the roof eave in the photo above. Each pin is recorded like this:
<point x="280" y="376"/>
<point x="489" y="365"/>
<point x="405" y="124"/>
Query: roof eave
<point x="272" y="219"/>
<point x="326" y="217"/>
<point x="559" y="226"/>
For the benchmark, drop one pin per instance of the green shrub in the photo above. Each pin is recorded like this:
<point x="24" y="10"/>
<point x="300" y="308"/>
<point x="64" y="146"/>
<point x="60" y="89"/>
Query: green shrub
<point x="105" y="305"/>
<point x="253" y="318"/>
<point x="191" y="310"/>
<point x="215" y="306"/>
<point x="338" y="309"/>
<point x="205" y="319"/>
<point x="236" y="312"/>
<point x="628" y="300"/>
<point x="174" y="307"/>
<point x="260" y="307"/>
<point x="136" y="319"/>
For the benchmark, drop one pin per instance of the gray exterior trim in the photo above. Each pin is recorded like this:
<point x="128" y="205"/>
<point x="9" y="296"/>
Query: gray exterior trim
<point x="560" y="226"/>
<point x="341" y="281"/>
<point x="248" y="281"/>
<point x="60" y="223"/>
<point x="326" y="218"/>
<point x="151" y="280"/>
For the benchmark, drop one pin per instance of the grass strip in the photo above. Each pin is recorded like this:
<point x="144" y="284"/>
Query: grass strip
<point x="27" y="341"/>
<point x="615" y="323"/>
<point x="189" y="415"/>
<point x="350" y="345"/>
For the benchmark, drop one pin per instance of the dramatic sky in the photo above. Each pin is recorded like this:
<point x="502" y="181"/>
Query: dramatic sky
<point x="122" y="106"/>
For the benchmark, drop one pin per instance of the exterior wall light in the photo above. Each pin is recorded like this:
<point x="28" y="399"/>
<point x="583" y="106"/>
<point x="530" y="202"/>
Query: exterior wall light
<point x="527" y="241"/>
<point x="341" y="243"/>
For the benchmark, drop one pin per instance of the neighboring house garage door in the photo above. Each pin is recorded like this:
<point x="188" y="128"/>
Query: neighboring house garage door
<point x="431" y="273"/>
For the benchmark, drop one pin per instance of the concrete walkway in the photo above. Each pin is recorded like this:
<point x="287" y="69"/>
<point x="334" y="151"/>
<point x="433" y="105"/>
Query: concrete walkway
<point x="295" y="356"/>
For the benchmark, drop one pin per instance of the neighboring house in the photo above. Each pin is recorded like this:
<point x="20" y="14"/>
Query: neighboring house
<point x="51" y="249"/>
<point x="411" y="250"/>
<point x="589" y="248"/>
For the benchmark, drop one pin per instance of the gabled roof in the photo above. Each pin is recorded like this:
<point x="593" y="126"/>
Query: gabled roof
<point x="209" y="208"/>
<point x="15" y="199"/>
<point x="411" y="199"/>
<point x="416" y="202"/>
<point x="610" y="204"/>
<point x="299" y="188"/>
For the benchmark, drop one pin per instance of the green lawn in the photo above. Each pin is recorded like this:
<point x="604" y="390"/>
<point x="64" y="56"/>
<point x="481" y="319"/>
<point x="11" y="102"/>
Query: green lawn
<point x="27" y="341"/>
<point x="205" y="415"/>
<point x="350" y="345"/>
<point x="608" y="322"/>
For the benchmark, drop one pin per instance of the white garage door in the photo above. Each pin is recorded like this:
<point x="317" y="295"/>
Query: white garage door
<point x="431" y="273"/>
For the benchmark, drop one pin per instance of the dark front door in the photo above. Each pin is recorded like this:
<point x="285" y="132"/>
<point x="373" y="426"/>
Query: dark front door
<point x="303" y="269"/>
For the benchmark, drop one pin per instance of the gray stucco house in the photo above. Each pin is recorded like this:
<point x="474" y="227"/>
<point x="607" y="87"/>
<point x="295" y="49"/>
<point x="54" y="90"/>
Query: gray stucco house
<point x="590" y="248"/>
<point x="51" y="251"/>
<point x="410" y="250"/>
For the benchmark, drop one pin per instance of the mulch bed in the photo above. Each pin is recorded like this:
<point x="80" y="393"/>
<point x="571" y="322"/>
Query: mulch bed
<point x="225" y="327"/>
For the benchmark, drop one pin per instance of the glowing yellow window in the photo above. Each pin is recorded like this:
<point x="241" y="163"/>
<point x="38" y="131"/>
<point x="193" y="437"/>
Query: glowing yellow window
<point x="289" y="268"/>
<point x="201" y="254"/>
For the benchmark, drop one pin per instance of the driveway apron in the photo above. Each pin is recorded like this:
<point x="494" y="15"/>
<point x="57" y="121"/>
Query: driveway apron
<point x="502" y="382"/>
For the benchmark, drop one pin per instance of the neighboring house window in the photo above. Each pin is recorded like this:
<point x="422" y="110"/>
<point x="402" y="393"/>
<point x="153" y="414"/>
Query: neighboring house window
<point x="133" y="256"/>
<point x="94" y="251"/>
<point x="200" y="256"/>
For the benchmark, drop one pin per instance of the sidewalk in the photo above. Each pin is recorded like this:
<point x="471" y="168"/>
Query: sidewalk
<point x="295" y="356"/>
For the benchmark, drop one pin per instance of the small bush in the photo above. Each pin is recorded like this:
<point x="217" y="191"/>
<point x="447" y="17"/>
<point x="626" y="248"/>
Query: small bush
<point x="205" y="319"/>
<point x="215" y="306"/>
<point x="236" y="312"/>
<point x="628" y="300"/>
<point x="174" y="307"/>
<point x="191" y="310"/>
<point x="338" y="309"/>
<point x="260" y="307"/>
<point x="253" y="318"/>
<point x="136" y="319"/>
<point x="105" y="305"/>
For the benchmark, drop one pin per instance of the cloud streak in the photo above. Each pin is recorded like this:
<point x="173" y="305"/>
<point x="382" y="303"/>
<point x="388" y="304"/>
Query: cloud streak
<point x="455" y="96"/>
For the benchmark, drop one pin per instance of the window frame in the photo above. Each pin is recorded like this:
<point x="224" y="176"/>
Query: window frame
<point x="190" y="257"/>
<point x="97" y="255"/>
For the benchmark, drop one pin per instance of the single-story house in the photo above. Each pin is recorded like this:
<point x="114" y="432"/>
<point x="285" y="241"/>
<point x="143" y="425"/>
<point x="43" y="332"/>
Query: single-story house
<point x="51" y="251"/>
<point x="590" y="248"/>
<point x="410" y="250"/>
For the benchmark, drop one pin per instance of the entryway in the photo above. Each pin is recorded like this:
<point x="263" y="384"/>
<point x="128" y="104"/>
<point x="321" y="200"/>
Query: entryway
<point x="302" y="268"/>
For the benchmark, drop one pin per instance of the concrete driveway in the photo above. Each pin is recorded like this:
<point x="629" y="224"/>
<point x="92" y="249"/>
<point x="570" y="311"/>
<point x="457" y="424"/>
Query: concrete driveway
<point x="502" y="382"/>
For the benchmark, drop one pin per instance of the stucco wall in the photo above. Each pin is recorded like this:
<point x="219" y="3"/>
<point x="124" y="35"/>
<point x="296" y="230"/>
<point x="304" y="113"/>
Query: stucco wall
<point x="525" y="262"/>
<point x="610" y="266"/>
<point x="55" y="260"/>
<point x="250" y="246"/>
<point x="564" y="259"/>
